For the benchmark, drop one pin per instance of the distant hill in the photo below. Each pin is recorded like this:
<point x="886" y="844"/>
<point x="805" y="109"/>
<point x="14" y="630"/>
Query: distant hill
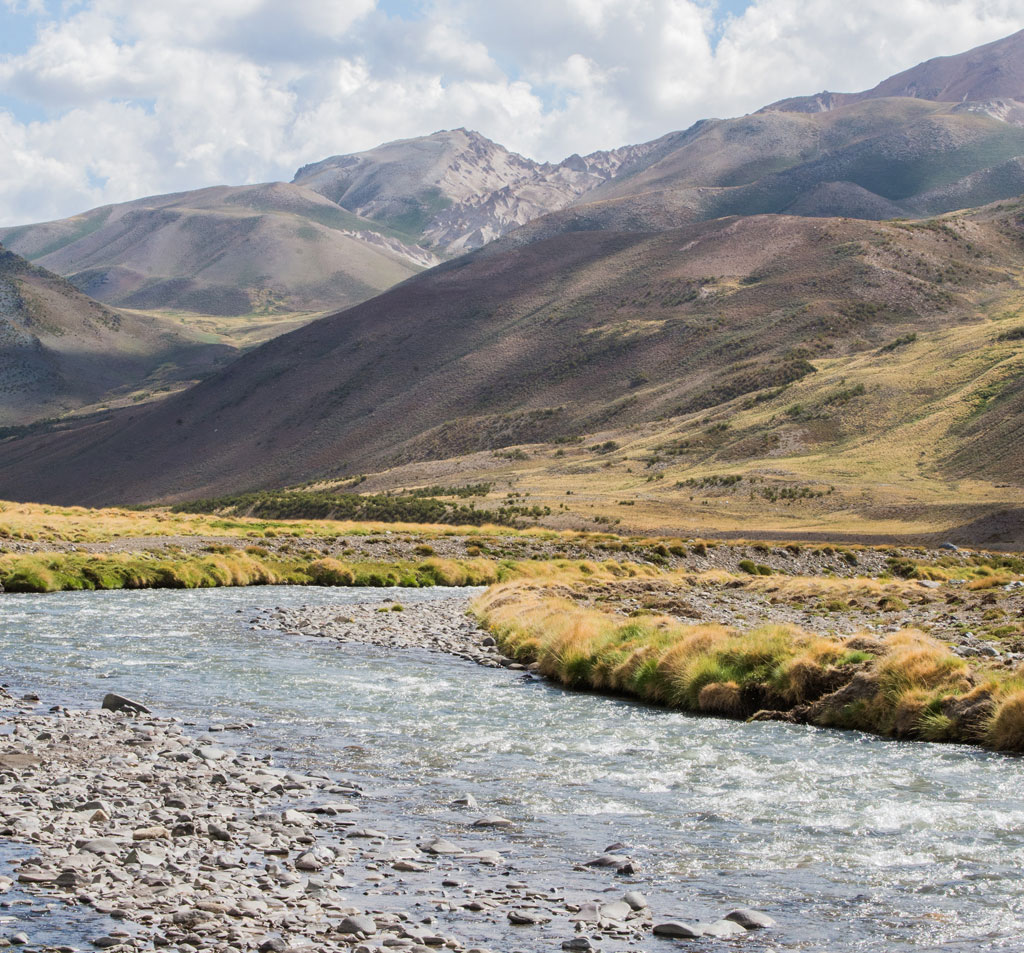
<point x="264" y="249"/>
<point x="551" y="341"/>
<point x="878" y="159"/>
<point x="60" y="350"/>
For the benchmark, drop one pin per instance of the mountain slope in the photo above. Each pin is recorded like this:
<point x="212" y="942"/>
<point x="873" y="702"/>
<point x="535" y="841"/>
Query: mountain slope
<point x="944" y="135"/>
<point x="225" y="251"/>
<point x="60" y="350"/>
<point x="994" y="71"/>
<point x="563" y="337"/>
<point x="878" y="159"/>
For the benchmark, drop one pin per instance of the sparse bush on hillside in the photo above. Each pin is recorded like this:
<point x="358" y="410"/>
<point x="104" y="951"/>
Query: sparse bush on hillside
<point x="305" y="504"/>
<point x="902" y="340"/>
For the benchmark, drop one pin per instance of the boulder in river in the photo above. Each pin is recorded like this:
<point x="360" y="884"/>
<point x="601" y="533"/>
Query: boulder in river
<point x="722" y="928"/>
<point x="751" y="919"/>
<point x="114" y="702"/>
<point x="678" y="930"/>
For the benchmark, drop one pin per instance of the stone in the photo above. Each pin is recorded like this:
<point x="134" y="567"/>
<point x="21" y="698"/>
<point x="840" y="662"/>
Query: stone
<point x="101" y="846"/>
<point x="636" y="900"/>
<point x="618" y="910"/>
<point x="297" y="819"/>
<point x="678" y="930"/>
<point x="114" y="702"/>
<point x="144" y="858"/>
<point x="36" y="875"/>
<point x="751" y="919"/>
<point x="493" y="820"/>
<point x="158" y="832"/>
<point x="19" y="939"/>
<point x="722" y="928"/>
<point x="577" y="943"/>
<point x="332" y="808"/>
<point x="358" y="924"/>
<point x="467" y="800"/>
<point x="212" y="753"/>
<point x="441" y="846"/>
<point x="526" y="918"/>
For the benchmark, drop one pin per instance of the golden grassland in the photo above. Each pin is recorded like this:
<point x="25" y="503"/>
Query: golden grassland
<point x="241" y="331"/>
<point x="77" y="524"/>
<point x="904" y="684"/>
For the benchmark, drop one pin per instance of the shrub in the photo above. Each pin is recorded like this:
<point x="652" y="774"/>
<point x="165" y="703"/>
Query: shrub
<point x="331" y="572"/>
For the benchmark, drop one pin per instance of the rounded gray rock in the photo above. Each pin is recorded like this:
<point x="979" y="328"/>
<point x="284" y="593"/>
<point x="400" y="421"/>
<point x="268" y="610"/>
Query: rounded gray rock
<point x="750" y="919"/>
<point x="358" y="924"/>
<point x="678" y="930"/>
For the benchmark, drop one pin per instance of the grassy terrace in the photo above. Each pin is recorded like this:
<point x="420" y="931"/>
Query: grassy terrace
<point x="902" y="684"/>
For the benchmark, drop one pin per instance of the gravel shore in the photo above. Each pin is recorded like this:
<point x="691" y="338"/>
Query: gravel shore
<point x="389" y="623"/>
<point x="178" y="842"/>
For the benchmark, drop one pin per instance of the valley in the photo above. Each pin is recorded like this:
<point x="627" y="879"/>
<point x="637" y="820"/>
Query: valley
<point x="447" y="549"/>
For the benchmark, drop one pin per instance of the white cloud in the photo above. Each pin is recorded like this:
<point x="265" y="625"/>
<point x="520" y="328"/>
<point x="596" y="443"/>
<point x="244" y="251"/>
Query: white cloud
<point x="144" y="98"/>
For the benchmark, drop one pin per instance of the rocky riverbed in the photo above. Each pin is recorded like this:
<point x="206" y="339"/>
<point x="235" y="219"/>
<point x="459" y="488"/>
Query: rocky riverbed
<point x="389" y="623"/>
<point x="186" y="844"/>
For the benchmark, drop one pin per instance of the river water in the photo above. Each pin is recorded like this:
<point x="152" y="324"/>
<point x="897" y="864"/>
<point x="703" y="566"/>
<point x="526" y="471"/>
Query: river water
<point x="851" y="842"/>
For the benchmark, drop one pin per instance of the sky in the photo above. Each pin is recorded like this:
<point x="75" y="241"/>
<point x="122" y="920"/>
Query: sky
<point x="108" y="100"/>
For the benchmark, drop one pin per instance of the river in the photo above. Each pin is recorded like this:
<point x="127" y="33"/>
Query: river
<point x="851" y="842"/>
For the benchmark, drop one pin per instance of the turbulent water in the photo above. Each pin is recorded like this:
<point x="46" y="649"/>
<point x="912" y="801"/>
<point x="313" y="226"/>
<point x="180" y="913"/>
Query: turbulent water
<point x="852" y="843"/>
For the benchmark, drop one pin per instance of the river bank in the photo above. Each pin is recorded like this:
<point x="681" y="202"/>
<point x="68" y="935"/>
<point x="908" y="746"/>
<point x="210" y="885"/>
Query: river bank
<point x="185" y="843"/>
<point x="888" y="678"/>
<point x="814" y="827"/>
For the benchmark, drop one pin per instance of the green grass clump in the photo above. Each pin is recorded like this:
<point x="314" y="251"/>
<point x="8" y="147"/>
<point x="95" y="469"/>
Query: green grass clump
<point x="371" y="508"/>
<point x="62" y="572"/>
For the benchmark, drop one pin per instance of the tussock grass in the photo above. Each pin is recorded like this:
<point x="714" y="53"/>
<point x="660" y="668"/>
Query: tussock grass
<point x="653" y="657"/>
<point x="1006" y="728"/>
<point x="59" y="572"/>
<point x="907" y="685"/>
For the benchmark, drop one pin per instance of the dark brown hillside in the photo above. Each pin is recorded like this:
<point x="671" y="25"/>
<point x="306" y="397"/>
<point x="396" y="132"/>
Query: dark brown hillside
<point x="876" y="159"/>
<point x="569" y="335"/>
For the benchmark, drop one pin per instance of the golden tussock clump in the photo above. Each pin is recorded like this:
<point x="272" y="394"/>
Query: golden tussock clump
<point x="906" y="684"/>
<point x="721" y="698"/>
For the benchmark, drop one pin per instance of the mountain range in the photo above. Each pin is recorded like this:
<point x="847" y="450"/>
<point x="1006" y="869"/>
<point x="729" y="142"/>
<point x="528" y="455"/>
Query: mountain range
<point x="744" y="293"/>
<point x="944" y="135"/>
